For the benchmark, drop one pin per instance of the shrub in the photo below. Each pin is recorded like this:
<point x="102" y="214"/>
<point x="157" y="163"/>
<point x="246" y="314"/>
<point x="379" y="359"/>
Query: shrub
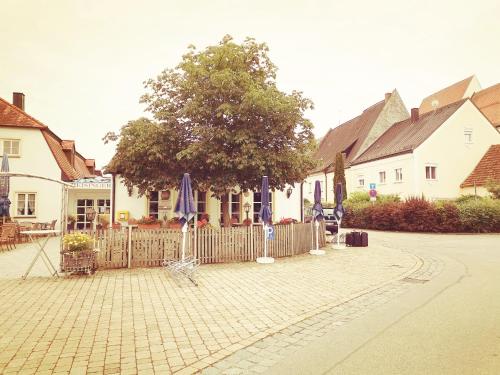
<point x="418" y="215"/>
<point x="357" y="197"/>
<point x="481" y="215"/>
<point x="467" y="198"/>
<point x="385" y="198"/>
<point x="448" y="217"/>
<point x="493" y="187"/>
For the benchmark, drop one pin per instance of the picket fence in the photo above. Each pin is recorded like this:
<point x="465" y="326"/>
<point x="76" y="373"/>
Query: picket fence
<point x="149" y="247"/>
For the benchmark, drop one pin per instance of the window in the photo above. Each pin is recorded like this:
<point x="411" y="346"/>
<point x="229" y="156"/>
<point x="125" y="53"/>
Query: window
<point x="234" y="208"/>
<point x="26" y="204"/>
<point x="398" y="174"/>
<point x="81" y="217"/>
<point x="468" y="135"/>
<point x="257" y="203"/>
<point x="103" y="206"/>
<point x="201" y="204"/>
<point x="154" y="204"/>
<point x="361" y="181"/>
<point x="381" y="177"/>
<point x="11" y="147"/>
<point x="430" y="172"/>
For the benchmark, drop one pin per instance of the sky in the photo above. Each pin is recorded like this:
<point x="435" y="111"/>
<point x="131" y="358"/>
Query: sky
<point x="82" y="64"/>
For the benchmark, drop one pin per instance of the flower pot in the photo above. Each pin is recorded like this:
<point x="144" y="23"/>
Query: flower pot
<point x="174" y="226"/>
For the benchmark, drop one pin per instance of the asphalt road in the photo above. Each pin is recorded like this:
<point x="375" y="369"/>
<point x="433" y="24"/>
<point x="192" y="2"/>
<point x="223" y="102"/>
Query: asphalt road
<point x="448" y="325"/>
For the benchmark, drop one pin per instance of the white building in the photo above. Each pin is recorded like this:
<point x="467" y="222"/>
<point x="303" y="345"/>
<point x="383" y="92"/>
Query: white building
<point x="352" y="138"/>
<point x="429" y="154"/>
<point x="34" y="149"/>
<point x="160" y="204"/>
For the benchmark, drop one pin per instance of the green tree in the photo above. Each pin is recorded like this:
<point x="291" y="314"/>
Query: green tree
<point x="219" y="116"/>
<point x="339" y="175"/>
<point x="493" y="187"/>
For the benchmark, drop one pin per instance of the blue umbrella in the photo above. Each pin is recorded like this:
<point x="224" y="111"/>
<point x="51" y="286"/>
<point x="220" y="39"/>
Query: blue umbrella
<point x="265" y="215"/>
<point x="339" y="208"/>
<point x="4" y="188"/>
<point x="185" y="208"/>
<point x="317" y="210"/>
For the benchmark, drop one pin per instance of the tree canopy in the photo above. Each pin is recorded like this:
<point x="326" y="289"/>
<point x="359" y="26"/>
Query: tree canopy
<point x="219" y="116"/>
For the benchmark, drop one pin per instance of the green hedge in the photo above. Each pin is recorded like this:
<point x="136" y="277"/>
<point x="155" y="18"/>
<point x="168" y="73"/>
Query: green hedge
<point x="420" y="215"/>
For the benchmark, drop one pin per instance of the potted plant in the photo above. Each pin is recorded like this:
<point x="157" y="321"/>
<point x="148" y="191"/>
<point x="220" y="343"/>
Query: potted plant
<point x="174" y="223"/>
<point x="79" y="254"/>
<point x="103" y="222"/>
<point x="247" y="222"/>
<point x="148" y="223"/>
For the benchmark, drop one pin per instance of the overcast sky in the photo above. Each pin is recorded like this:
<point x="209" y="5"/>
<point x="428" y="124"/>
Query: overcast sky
<point x="81" y="64"/>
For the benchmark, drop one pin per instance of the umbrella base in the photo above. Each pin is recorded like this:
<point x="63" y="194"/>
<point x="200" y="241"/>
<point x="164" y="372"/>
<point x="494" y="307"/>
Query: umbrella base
<point x="265" y="260"/>
<point x="339" y="246"/>
<point x="317" y="252"/>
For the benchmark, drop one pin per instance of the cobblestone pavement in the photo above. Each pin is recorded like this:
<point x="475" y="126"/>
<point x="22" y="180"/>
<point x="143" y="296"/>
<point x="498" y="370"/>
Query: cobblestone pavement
<point x="140" y="321"/>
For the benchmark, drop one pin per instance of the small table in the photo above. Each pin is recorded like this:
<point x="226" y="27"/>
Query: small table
<point x="41" y="251"/>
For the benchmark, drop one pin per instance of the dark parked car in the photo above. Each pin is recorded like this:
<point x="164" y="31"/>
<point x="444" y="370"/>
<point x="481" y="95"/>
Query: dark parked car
<point x="330" y="222"/>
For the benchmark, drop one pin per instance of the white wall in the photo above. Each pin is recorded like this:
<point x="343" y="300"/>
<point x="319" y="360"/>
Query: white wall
<point x="37" y="159"/>
<point x="325" y="180"/>
<point x="453" y="158"/>
<point x="370" y="172"/>
<point x="135" y="205"/>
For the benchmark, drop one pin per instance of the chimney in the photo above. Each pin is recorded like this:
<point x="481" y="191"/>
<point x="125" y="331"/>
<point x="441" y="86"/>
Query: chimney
<point x="18" y="100"/>
<point x="387" y="96"/>
<point x="414" y="115"/>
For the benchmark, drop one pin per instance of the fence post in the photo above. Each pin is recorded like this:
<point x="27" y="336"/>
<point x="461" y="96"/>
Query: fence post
<point x="252" y="250"/>
<point x="129" y="262"/>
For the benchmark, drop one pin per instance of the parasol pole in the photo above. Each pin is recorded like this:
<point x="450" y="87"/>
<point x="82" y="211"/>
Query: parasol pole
<point x="184" y="232"/>
<point x="265" y="240"/>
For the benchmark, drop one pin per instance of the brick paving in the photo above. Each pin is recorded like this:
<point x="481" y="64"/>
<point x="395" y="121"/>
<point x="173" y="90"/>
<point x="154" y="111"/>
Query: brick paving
<point x="141" y="322"/>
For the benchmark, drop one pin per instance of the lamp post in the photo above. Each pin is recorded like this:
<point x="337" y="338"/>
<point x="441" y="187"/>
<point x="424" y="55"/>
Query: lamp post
<point x="246" y="207"/>
<point x="289" y="192"/>
<point x="90" y="215"/>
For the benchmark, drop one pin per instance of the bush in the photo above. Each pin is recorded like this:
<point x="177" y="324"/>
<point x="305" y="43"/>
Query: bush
<point x="481" y="215"/>
<point x="493" y="187"/>
<point x="467" y="198"/>
<point x="358" y="197"/>
<point x="448" y="217"/>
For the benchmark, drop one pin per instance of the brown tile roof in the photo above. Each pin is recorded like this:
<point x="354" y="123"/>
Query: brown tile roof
<point x="405" y="136"/>
<point x="488" y="102"/>
<point x="487" y="168"/>
<point x="10" y="115"/>
<point x="347" y="138"/>
<point x="448" y="95"/>
<point x="68" y="172"/>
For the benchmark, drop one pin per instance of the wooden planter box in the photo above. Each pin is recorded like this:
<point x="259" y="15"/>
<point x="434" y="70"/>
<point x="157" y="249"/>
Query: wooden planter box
<point x="174" y="226"/>
<point x="80" y="261"/>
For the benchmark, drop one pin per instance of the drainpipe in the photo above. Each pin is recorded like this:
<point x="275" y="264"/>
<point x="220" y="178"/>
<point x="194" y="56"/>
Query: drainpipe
<point x="326" y="188"/>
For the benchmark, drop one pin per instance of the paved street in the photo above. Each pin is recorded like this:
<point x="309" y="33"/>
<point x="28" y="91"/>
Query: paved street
<point x="301" y="315"/>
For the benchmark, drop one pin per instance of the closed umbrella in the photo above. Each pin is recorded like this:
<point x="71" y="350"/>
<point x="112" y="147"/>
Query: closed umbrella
<point x="339" y="210"/>
<point x="318" y="215"/>
<point x="265" y="217"/>
<point x="185" y="208"/>
<point x="5" y="188"/>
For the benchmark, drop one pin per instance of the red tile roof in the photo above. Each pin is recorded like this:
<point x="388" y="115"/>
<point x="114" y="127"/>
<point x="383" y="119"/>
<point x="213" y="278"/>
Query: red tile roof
<point x="12" y="116"/>
<point x="488" y="102"/>
<point x="448" y="95"/>
<point x="346" y="138"/>
<point x="487" y="168"/>
<point x="405" y="136"/>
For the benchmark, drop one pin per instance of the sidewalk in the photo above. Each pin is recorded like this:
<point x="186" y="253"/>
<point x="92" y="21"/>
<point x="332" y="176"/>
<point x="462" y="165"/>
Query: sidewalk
<point x="140" y="321"/>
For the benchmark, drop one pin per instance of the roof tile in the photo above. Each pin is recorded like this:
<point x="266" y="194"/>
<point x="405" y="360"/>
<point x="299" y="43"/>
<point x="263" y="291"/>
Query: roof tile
<point x="487" y="168"/>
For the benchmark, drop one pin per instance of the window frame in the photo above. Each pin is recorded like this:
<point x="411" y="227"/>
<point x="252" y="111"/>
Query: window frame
<point x="379" y="177"/>
<point x="9" y="154"/>
<point x="257" y="204"/>
<point x="431" y="167"/>
<point x="201" y="203"/>
<point x="468" y="133"/>
<point x="396" y="174"/>
<point x="26" y="194"/>
<point x="232" y="204"/>
<point x="361" y="178"/>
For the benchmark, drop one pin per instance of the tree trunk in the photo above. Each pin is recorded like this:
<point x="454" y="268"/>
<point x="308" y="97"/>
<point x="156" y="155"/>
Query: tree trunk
<point x="226" y="219"/>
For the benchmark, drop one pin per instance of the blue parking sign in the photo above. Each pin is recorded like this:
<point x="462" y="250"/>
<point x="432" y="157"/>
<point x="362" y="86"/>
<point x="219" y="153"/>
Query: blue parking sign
<point x="270" y="232"/>
<point x="372" y="186"/>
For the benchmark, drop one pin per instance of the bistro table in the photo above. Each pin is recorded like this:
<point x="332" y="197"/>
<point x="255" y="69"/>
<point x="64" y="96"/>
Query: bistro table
<point x="41" y="251"/>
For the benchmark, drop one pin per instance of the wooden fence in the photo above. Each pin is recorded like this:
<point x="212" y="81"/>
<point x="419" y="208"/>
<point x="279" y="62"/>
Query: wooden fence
<point x="149" y="247"/>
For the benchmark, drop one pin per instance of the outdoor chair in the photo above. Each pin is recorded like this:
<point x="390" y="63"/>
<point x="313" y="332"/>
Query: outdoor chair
<point x="183" y="268"/>
<point x="8" y="235"/>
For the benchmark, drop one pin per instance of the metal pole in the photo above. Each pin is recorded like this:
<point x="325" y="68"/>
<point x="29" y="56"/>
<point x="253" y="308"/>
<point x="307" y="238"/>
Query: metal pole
<point x="265" y="240"/>
<point x="317" y="235"/>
